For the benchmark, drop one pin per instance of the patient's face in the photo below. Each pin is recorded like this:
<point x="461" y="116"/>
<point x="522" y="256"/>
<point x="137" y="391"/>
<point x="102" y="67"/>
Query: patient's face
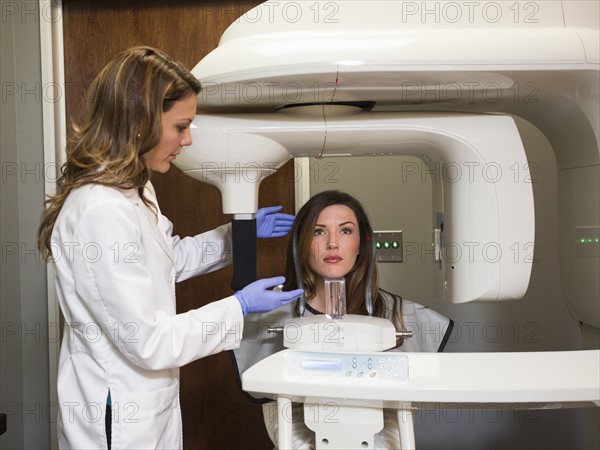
<point x="335" y="242"/>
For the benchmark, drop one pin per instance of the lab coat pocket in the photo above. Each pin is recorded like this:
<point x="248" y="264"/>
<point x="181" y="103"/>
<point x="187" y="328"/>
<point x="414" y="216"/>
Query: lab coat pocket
<point x="147" y="420"/>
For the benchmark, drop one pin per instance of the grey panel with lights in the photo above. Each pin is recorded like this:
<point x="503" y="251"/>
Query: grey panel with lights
<point x="388" y="245"/>
<point x="588" y="241"/>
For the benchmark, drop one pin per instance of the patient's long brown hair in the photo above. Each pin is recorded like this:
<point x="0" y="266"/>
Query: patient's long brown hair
<point x="122" y="120"/>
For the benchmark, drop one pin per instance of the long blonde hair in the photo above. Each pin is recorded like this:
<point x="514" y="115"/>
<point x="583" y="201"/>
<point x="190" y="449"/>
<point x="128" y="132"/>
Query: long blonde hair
<point x="122" y="120"/>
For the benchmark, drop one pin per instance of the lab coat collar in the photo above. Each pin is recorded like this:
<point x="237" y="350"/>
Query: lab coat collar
<point x="156" y="230"/>
<point x="154" y="223"/>
<point x="132" y="195"/>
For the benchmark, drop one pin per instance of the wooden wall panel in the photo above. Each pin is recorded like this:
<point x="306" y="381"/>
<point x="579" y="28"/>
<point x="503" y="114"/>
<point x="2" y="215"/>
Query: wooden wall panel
<point x="215" y="413"/>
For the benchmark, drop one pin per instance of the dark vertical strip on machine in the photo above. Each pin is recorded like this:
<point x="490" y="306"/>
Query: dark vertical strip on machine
<point x="244" y="253"/>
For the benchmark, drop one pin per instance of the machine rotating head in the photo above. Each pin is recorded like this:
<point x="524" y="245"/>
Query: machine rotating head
<point x="484" y="210"/>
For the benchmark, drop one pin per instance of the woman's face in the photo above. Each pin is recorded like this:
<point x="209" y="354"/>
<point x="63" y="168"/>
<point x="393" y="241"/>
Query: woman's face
<point x="175" y="134"/>
<point x="335" y="242"/>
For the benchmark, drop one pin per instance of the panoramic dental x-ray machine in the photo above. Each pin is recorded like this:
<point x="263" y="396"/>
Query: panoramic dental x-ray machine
<point x="379" y="81"/>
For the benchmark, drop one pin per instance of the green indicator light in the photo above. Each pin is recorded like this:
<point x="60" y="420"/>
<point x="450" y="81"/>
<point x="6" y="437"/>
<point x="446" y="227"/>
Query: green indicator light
<point x="582" y="241"/>
<point x="589" y="240"/>
<point x="386" y="244"/>
<point x="395" y="244"/>
<point x="378" y="244"/>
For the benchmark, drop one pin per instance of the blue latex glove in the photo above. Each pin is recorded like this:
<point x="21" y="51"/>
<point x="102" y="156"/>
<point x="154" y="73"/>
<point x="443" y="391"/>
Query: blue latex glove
<point x="271" y="224"/>
<point x="257" y="296"/>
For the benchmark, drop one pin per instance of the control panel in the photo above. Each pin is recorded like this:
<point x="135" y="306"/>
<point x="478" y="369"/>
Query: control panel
<point x="388" y="246"/>
<point x="376" y="366"/>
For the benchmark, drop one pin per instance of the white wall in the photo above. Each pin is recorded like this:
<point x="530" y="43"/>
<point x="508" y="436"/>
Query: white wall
<point x="24" y="388"/>
<point x="396" y="191"/>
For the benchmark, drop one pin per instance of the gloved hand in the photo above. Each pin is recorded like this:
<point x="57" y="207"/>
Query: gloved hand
<point x="257" y="296"/>
<point x="271" y="224"/>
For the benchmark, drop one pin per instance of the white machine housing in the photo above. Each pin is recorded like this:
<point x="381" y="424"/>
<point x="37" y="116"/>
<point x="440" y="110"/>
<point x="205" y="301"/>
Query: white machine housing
<point x="486" y="212"/>
<point x="536" y="60"/>
<point x="356" y="386"/>
<point x="440" y="81"/>
<point x="352" y="333"/>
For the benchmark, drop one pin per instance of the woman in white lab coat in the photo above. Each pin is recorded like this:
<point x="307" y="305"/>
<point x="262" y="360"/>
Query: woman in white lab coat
<point x="117" y="262"/>
<point x="334" y="240"/>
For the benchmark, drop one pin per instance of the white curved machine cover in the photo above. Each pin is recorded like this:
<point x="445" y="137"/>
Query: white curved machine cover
<point x="439" y="81"/>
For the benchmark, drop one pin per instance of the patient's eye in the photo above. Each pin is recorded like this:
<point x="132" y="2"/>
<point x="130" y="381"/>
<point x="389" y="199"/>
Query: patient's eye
<point x="318" y="232"/>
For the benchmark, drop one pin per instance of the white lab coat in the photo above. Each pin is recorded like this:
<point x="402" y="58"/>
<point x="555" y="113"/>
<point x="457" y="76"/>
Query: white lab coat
<point x="116" y="269"/>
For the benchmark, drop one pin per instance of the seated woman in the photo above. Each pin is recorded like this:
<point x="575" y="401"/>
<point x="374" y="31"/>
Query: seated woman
<point x="334" y="240"/>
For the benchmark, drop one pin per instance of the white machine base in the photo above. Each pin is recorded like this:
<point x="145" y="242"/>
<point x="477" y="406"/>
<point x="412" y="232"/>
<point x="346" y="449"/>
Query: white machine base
<point x="357" y="383"/>
<point x="342" y="427"/>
